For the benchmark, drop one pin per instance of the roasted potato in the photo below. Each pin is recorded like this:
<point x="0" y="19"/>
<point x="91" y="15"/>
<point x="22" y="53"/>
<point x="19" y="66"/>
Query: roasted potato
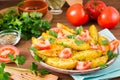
<point x="99" y="61"/>
<point x="93" y="33"/>
<point x="87" y="55"/>
<point x="61" y="63"/>
<point x="71" y="43"/>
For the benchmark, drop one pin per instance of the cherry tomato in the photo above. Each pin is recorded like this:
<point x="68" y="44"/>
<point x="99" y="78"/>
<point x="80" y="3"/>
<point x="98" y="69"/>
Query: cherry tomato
<point x="76" y="15"/>
<point x="43" y="45"/>
<point x="65" y="53"/>
<point x="83" y="65"/>
<point x="8" y="49"/>
<point x="108" y="18"/>
<point x="94" y="8"/>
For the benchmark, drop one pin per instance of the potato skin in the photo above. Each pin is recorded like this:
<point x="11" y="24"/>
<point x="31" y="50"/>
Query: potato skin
<point x="100" y="39"/>
<point x="99" y="61"/>
<point x="93" y="33"/>
<point x="71" y="43"/>
<point x="61" y="63"/>
<point x="87" y="55"/>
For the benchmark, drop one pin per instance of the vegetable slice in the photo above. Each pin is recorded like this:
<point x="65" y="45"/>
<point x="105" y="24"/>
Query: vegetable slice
<point x="8" y="49"/>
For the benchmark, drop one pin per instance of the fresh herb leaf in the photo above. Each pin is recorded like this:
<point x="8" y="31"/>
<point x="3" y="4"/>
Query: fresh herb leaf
<point x="33" y="49"/>
<point x="64" y="45"/>
<point x="78" y="30"/>
<point x="27" y="24"/>
<point x="37" y="58"/>
<point x="52" y="33"/>
<point x="3" y="75"/>
<point x="102" y="66"/>
<point x="20" y="60"/>
<point x="51" y="40"/>
<point x="44" y="72"/>
<point x="34" y="68"/>
<point x="105" y="42"/>
<point x="36" y="15"/>
<point x="111" y="55"/>
<point x="11" y="57"/>
<point x="71" y="36"/>
<point x="78" y="42"/>
<point x="12" y="11"/>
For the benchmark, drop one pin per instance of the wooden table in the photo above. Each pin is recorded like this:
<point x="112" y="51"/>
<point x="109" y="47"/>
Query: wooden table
<point x="24" y="45"/>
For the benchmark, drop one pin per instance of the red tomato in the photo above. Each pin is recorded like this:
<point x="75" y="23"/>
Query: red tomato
<point x="57" y="30"/>
<point x="108" y="18"/>
<point x="94" y="8"/>
<point x="97" y="47"/>
<point x="4" y="50"/>
<point x="65" y="53"/>
<point x="113" y="45"/>
<point x="43" y="45"/>
<point x="84" y="36"/>
<point x="76" y="15"/>
<point x="83" y="65"/>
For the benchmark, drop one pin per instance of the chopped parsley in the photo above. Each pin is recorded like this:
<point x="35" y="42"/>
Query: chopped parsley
<point x="78" y="42"/>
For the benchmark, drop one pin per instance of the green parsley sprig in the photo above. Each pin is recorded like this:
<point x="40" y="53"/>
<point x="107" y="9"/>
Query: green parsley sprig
<point x="34" y="69"/>
<point x="19" y="60"/>
<point x="4" y="75"/>
<point x="28" y="24"/>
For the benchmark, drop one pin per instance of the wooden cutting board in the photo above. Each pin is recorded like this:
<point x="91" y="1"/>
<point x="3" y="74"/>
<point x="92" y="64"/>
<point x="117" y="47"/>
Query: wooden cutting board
<point x="47" y="17"/>
<point x="25" y="74"/>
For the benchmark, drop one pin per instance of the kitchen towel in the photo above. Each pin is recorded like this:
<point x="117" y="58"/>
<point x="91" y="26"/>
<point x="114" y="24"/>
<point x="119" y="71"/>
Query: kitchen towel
<point x="112" y="71"/>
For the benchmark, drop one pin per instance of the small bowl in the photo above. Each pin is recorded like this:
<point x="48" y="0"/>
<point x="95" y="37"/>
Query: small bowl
<point x="34" y="6"/>
<point x="9" y="37"/>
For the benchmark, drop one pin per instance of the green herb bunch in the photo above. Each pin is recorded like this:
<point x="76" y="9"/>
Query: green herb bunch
<point x="28" y="24"/>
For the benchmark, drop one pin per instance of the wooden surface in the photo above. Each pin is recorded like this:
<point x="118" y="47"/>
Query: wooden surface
<point x="24" y="45"/>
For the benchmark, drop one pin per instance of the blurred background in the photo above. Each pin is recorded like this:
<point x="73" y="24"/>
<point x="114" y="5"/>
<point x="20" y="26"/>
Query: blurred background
<point x="8" y="3"/>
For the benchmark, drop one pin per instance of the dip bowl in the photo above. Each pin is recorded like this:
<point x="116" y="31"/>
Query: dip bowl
<point x="9" y="37"/>
<point x="33" y="6"/>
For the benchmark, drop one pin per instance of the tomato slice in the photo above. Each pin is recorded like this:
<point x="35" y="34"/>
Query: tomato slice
<point x="97" y="47"/>
<point x="65" y="53"/>
<point x="5" y="50"/>
<point x="57" y="30"/>
<point x="84" y="36"/>
<point x="83" y="65"/>
<point x="43" y="45"/>
<point x="114" y="44"/>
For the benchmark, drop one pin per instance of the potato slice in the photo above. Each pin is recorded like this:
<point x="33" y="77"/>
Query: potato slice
<point x="99" y="61"/>
<point x="93" y="33"/>
<point x="71" y="43"/>
<point x="59" y="25"/>
<point x="47" y="36"/>
<point x="87" y="55"/>
<point x="61" y="63"/>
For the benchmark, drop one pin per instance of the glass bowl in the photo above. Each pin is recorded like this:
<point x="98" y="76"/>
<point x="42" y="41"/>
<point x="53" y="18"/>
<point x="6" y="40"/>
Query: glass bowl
<point x="9" y="37"/>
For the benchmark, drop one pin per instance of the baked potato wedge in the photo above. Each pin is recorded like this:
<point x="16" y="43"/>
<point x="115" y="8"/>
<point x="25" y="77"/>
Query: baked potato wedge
<point x="61" y="63"/>
<point x="87" y="55"/>
<point x="93" y="33"/>
<point x="72" y="44"/>
<point x="99" y="61"/>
